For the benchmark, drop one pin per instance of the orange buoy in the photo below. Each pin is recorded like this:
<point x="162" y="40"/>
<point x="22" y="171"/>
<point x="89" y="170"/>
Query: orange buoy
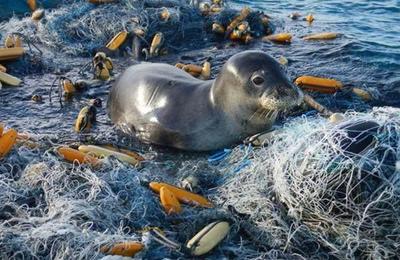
<point x="179" y="65"/>
<point x="280" y="37"/>
<point x="310" y="18"/>
<point x="243" y="38"/>
<point x="129" y="248"/>
<point x="182" y="195"/>
<point x="192" y="68"/>
<point x="7" y="54"/>
<point x="169" y="201"/>
<point x="71" y="155"/>
<point x="31" y="4"/>
<point x="7" y="141"/>
<point x="321" y="36"/>
<point x="322" y="85"/>
<point x="244" y="13"/>
<point x="117" y="41"/>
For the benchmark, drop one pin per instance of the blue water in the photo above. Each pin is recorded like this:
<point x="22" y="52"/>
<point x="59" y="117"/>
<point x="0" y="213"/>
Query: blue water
<point x="368" y="53"/>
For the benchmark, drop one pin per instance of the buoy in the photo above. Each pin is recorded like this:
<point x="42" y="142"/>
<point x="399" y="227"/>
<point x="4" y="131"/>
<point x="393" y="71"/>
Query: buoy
<point x="37" y="15"/>
<point x="68" y="86"/>
<point x="363" y="94"/>
<point x="322" y="85"/>
<point x="128" y="248"/>
<point x="244" y="13"/>
<point x="3" y="69"/>
<point x="101" y="72"/>
<point x="37" y="98"/>
<point x="215" y="8"/>
<point x="99" y="57"/>
<point x="208" y="238"/>
<point x="109" y="64"/>
<point x="182" y="195"/>
<point x="117" y="41"/>
<point x="72" y="155"/>
<point x="7" y="54"/>
<point x="169" y="201"/>
<point x="196" y="71"/>
<point x="179" y="65"/>
<point x="280" y="37"/>
<point x="192" y="68"/>
<point x="218" y="28"/>
<point x="104" y="152"/>
<point x="206" y="71"/>
<point x="7" y="141"/>
<point x="86" y="118"/>
<point x="1" y="129"/>
<point x="156" y="43"/>
<point x="309" y="18"/>
<point x="31" y="4"/>
<point x="321" y="36"/>
<point x="235" y="36"/>
<point x="9" y="80"/>
<point x="165" y="15"/>
<point x="124" y="151"/>
<point x="12" y="41"/>
<point x="336" y="118"/>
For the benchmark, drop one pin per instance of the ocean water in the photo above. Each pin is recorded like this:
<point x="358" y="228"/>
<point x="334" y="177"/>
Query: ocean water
<point x="366" y="55"/>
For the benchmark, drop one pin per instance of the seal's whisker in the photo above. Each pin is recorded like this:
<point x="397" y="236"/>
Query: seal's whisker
<point x="269" y="114"/>
<point x="255" y="112"/>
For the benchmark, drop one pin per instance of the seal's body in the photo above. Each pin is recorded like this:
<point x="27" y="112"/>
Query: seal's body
<point x="164" y="105"/>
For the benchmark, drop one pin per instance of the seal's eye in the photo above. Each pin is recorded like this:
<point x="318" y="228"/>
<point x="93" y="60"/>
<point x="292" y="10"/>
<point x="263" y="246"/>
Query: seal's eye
<point x="258" y="80"/>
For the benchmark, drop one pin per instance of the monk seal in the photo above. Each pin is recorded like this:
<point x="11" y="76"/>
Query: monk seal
<point x="164" y="105"/>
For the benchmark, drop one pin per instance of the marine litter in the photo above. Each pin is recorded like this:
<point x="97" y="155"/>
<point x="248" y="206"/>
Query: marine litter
<point x="87" y="191"/>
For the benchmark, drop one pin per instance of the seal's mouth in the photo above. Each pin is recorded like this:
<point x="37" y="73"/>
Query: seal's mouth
<point x="282" y="103"/>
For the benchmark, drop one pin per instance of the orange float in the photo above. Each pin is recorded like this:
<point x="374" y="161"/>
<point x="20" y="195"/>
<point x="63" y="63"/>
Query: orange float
<point x="182" y="195"/>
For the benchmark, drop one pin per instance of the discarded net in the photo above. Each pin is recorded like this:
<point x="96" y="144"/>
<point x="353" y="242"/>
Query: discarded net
<point x="314" y="199"/>
<point x="300" y="195"/>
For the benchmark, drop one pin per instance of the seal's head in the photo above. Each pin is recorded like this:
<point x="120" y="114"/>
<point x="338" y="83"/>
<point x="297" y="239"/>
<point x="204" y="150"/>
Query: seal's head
<point x="253" y="87"/>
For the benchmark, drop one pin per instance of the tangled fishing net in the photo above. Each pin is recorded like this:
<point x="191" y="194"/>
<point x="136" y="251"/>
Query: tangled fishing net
<point x="314" y="199"/>
<point x="300" y="196"/>
<point x="80" y="28"/>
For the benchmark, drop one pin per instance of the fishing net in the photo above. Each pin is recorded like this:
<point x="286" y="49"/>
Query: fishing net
<point x="81" y="28"/>
<point x="299" y="196"/>
<point x="313" y="198"/>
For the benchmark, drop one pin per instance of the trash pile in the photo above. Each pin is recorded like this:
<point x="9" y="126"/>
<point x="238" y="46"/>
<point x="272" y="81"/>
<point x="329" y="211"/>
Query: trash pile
<point x="291" y="193"/>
